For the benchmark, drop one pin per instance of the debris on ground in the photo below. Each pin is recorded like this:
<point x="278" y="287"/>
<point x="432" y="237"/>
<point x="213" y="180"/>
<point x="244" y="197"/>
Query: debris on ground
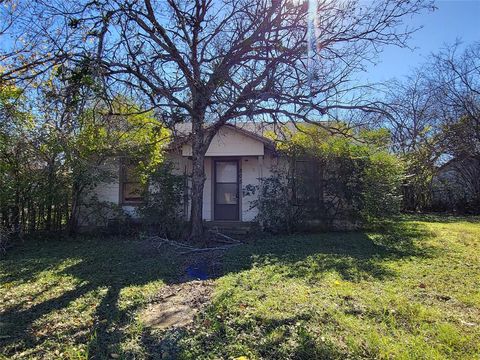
<point x="216" y="240"/>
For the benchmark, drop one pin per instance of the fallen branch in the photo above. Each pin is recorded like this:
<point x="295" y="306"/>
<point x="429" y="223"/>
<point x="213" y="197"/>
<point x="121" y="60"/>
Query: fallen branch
<point x="226" y="247"/>
<point x="190" y="249"/>
<point x="171" y="242"/>
<point x="225" y="237"/>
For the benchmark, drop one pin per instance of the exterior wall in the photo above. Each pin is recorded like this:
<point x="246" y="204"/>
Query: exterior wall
<point x="109" y="191"/>
<point x="183" y="165"/>
<point x="208" y="191"/>
<point x="250" y="174"/>
<point x="251" y="169"/>
<point x="254" y="163"/>
<point x="229" y="144"/>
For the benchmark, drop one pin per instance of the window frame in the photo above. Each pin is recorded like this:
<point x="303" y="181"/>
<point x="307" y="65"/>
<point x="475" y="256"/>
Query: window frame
<point x="124" y="163"/>
<point x="298" y="200"/>
<point x="313" y="176"/>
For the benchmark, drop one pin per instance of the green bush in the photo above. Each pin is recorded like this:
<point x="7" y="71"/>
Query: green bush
<point x="277" y="212"/>
<point x="342" y="176"/>
<point x="163" y="210"/>
<point x="5" y="240"/>
<point x="381" y="193"/>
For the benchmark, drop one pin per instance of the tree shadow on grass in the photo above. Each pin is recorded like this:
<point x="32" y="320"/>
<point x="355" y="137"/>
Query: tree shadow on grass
<point x="94" y="264"/>
<point x="115" y="265"/>
<point x="354" y="255"/>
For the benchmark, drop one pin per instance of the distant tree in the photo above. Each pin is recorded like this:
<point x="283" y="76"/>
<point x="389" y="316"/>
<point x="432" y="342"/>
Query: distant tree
<point x="210" y="62"/>
<point x="414" y="125"/>
<point x="412" y="108"/>
<point x="455" y="77"/>
<point x="14" y="153"/>
<point x="434" y="115"/>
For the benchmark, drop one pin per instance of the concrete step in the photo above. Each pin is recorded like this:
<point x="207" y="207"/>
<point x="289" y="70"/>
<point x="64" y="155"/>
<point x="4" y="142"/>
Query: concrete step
<point x="225" y="223"/>
<point x="230" y="228"/>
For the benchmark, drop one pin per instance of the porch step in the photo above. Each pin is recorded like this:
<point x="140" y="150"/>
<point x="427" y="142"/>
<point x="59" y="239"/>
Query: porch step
<point x="231" y="228"/>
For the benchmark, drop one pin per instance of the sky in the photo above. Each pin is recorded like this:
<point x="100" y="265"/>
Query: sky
<point x="454" y="19"/>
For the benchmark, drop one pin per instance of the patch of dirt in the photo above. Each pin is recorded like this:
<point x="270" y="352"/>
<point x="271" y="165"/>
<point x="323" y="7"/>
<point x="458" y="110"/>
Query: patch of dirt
<point x="176" y="305"/>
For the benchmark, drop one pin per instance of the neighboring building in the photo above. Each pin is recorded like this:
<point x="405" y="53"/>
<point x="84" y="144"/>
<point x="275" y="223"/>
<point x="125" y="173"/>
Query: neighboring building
<point x="239" y="155"/>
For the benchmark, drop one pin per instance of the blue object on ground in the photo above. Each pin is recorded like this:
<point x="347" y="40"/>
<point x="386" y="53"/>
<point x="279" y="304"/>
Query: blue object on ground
<point x="197" y="272"/>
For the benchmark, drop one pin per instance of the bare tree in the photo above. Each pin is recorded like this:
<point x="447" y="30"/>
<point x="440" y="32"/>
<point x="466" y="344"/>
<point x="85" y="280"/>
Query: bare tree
<point x="455" y="74"/>
<point x="412" y="112"/>
<point x="210" y="62"/>
<point x="412" y="118"/>
<point x="434" y="115"/>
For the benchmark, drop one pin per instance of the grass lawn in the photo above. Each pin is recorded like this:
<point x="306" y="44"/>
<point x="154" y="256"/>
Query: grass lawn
<point x="411" y="291"/>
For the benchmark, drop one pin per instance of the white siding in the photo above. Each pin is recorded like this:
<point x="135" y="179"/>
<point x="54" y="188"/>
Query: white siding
<point x="207" y="191"/>
<point x="253" y="169"/>
<point x="181" y="164"/>
<point x="229" y="143"/>
<point x="251" y="172"/>
<point x="109" y="190"/>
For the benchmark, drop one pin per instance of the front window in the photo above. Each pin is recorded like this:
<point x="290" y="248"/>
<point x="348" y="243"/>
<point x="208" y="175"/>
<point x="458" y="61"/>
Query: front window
<point x="302" y="180"/>
<point x="131" y="187"/>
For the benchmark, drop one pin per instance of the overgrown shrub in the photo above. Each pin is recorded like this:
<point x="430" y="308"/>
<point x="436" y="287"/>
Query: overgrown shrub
<point x="277" y="212"/>
<point x="381" y="187"/>
<point x="101" y="213"/>
<point x="331" y="178"/>
<point x="163" y="210"/>
<point x="49" y="164"/>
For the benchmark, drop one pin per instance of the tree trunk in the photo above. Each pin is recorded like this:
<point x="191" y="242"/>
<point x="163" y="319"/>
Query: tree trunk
<point x="49" y="199"/>
<point x="16" y="211"/>
<point x="74" y="211"/>
<point x="198" y="181"/>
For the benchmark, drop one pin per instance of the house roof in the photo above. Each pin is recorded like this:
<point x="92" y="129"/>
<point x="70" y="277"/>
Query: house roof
<point x="257" y="130"/>
<point x="253" y="130"/>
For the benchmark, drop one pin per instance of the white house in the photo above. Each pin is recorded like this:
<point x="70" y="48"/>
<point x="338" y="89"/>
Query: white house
<point x="239" y="155"/>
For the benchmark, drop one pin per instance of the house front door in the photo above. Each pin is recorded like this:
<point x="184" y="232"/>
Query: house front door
<point x="226" y="190"/>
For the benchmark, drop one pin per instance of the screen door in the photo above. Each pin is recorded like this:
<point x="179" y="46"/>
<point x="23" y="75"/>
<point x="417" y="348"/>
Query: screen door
<point x="226" y="190"/>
